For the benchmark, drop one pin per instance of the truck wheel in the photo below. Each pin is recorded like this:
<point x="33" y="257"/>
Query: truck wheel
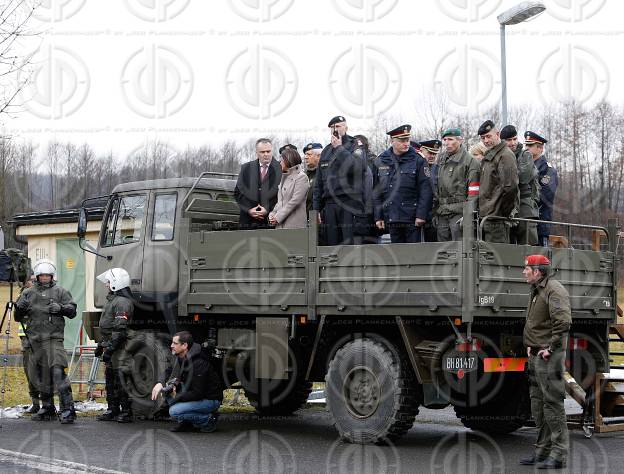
<point x="371" y="392"/>
<point x="145" y="357"/>
<point x="287" y="405"/>
<point x="503" y="414"/>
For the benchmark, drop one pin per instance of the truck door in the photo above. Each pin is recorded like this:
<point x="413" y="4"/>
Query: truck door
<point x="122" y="238"/>
<point x="161" y="251"/>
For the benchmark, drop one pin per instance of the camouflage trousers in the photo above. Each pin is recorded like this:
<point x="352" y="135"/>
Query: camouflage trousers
<point x="547" y="391"/>
<point x="29" y="369"/>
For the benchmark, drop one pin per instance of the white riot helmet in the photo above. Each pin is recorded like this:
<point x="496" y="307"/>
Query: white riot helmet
<point x="44" y="267"/>
<point x="117" y="278"/>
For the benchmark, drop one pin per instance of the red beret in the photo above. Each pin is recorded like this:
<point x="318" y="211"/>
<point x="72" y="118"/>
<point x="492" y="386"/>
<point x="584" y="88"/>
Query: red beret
<point x="533" y="260"/>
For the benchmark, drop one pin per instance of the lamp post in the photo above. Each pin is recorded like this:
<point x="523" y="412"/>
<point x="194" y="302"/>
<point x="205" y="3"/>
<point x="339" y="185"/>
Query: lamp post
<point x="521" y="12"/>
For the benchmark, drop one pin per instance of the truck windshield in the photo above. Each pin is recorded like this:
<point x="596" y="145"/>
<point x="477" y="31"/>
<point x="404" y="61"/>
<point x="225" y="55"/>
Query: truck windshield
<point x="125" y="220"/>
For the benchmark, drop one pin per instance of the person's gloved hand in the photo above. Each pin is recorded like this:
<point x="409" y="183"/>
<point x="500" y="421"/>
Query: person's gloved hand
<point x="54" y="308"/>
<point x="99" y="350"/>
<point x="106" y="356"/>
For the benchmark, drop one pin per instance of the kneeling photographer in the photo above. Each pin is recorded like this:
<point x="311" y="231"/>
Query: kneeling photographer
<point x="192" y="387"/>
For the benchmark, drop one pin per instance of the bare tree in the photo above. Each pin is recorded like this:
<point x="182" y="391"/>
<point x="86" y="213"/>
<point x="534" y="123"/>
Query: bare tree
<point x="14" y="18"/>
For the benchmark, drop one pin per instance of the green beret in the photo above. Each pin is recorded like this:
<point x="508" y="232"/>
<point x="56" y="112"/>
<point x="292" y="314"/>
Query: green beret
<point x="452" y="132"/>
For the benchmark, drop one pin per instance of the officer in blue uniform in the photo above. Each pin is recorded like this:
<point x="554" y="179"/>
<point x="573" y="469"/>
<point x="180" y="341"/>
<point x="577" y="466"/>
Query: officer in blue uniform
<point x="339" y="185"/>
<point x="402" y="189"/>
<point x="548" y="181"/>
<point x="429" y="150"/>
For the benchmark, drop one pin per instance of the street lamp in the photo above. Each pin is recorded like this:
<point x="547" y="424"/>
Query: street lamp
<point x="521" y="12"/>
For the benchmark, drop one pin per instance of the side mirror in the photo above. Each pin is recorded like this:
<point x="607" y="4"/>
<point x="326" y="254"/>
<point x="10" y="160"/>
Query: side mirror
<point x="82" y="223"/>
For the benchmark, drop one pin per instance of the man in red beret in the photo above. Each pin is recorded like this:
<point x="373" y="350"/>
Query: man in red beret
<point x="546" y="335"/>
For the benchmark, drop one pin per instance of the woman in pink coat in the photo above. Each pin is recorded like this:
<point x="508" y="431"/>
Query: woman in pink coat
<point x="290" y="210"/>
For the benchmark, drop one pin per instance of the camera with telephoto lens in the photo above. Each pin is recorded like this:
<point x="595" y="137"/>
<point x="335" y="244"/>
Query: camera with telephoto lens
<point x="169" y="386"/>
<point x="14" y="266"/>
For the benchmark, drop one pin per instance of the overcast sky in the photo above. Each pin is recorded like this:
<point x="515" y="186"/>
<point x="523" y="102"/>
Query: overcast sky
<point x="116" y="73"/>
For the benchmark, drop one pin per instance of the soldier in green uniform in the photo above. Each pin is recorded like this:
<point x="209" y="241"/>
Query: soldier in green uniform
<point x="31" y="374"/>
<point x="498" y="192"/>
<point x="45" y="305"/>
<point x="457" y="182"/>
<point x="113" y="329"/>
<point x="546" y="336"/>
<point x="529" y="188"/>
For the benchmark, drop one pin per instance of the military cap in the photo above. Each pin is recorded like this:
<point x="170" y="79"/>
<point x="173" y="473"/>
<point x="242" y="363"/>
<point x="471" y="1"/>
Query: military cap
<point x="336" y="119"/>
<point x="415" y="145"/>
<point x="536" y="260"/>
<point x="486" y="127"/>
<point x="312" y="146"/>
<point x="452" y="132"/>
<point x="288" y="145"/>
<point x="508" y="131"/>
<point x="532" y="137"/>
<point x="400" y="132"/>
<point x="432" y="145"/>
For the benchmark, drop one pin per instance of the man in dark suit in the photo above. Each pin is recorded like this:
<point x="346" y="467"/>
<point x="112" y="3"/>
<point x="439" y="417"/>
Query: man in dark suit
<point x="256" y="187"/>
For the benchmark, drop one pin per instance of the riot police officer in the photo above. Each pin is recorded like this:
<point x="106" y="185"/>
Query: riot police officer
<point x="548" y="181"/>
<point x="116" y="312"/>
<point x="529" y="189"/>
<point x="31" y="374"/>
<point x="402" y="189"/>
<point x="46" y="305"/>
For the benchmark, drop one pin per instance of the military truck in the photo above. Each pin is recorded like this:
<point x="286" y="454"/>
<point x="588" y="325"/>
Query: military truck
<point x="389" y="328"/>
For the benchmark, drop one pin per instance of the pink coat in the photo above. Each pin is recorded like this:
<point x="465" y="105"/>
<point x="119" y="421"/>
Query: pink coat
<point x="290" y="209"/>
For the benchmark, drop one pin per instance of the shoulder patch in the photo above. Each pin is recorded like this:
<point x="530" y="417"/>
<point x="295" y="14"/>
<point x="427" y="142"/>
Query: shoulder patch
<point x="545" y="180"/>
<point x="427" y="171"/>
<point x="121" y="315"/>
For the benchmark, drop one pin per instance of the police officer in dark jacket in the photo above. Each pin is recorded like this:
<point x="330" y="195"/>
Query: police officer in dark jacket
<point x="46" y="305"/>
<point x="429" y="150"/>
<point x="338" y="189"/>
<point x="312" y="153"/>
<point x="116" y="312"/>
<point x="402" y="189"/>
<point x="195" y="389"/>
<point x="548" y="181"/>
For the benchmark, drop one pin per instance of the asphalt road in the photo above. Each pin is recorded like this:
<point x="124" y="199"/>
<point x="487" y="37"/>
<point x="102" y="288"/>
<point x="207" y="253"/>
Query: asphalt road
<point x="304" y="443"/>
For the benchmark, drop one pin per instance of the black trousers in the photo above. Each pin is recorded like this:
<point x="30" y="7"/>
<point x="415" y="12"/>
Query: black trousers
<point x="338" y="223"/>
<point x="404" y="232"/>
<point x="116" y="394"/>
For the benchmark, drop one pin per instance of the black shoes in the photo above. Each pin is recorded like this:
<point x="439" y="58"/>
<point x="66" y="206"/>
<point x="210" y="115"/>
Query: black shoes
<point x="108" y="415"/>
<point x="183" y="427"/>
<point x="45" y="413"/>
<point x="34" y="408"/>
<point x="67" y="416"/>
<point x="124" y="417"/>
<point x="209" y="427"/>
<point x="531" y="460"/>
<point x="550" y="463"/>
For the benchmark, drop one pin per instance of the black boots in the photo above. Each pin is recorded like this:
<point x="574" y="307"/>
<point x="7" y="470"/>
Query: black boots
<point x="34" y="408"/>
<point x="46" y="412"/>
<point x="108" y="415"/>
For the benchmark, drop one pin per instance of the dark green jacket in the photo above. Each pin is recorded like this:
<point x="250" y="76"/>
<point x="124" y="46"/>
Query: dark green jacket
<point x="116" y="313"/>
<point x="528" y="177"/>
<point x="457" y="182"/>
<point x="498" y="191"/>
<point x="34" y="305"/>
<point x="548" y="316"/>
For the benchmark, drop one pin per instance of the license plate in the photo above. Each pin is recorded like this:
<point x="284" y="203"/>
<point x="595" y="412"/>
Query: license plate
<point x="458" y="361"/>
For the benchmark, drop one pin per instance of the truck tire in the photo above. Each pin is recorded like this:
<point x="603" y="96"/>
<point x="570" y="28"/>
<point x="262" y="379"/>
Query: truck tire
<point x="503" y="414"/>
<point x="371" y="392"/>
<point x="287" y="405"/>
<point x="146" y="355"/>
